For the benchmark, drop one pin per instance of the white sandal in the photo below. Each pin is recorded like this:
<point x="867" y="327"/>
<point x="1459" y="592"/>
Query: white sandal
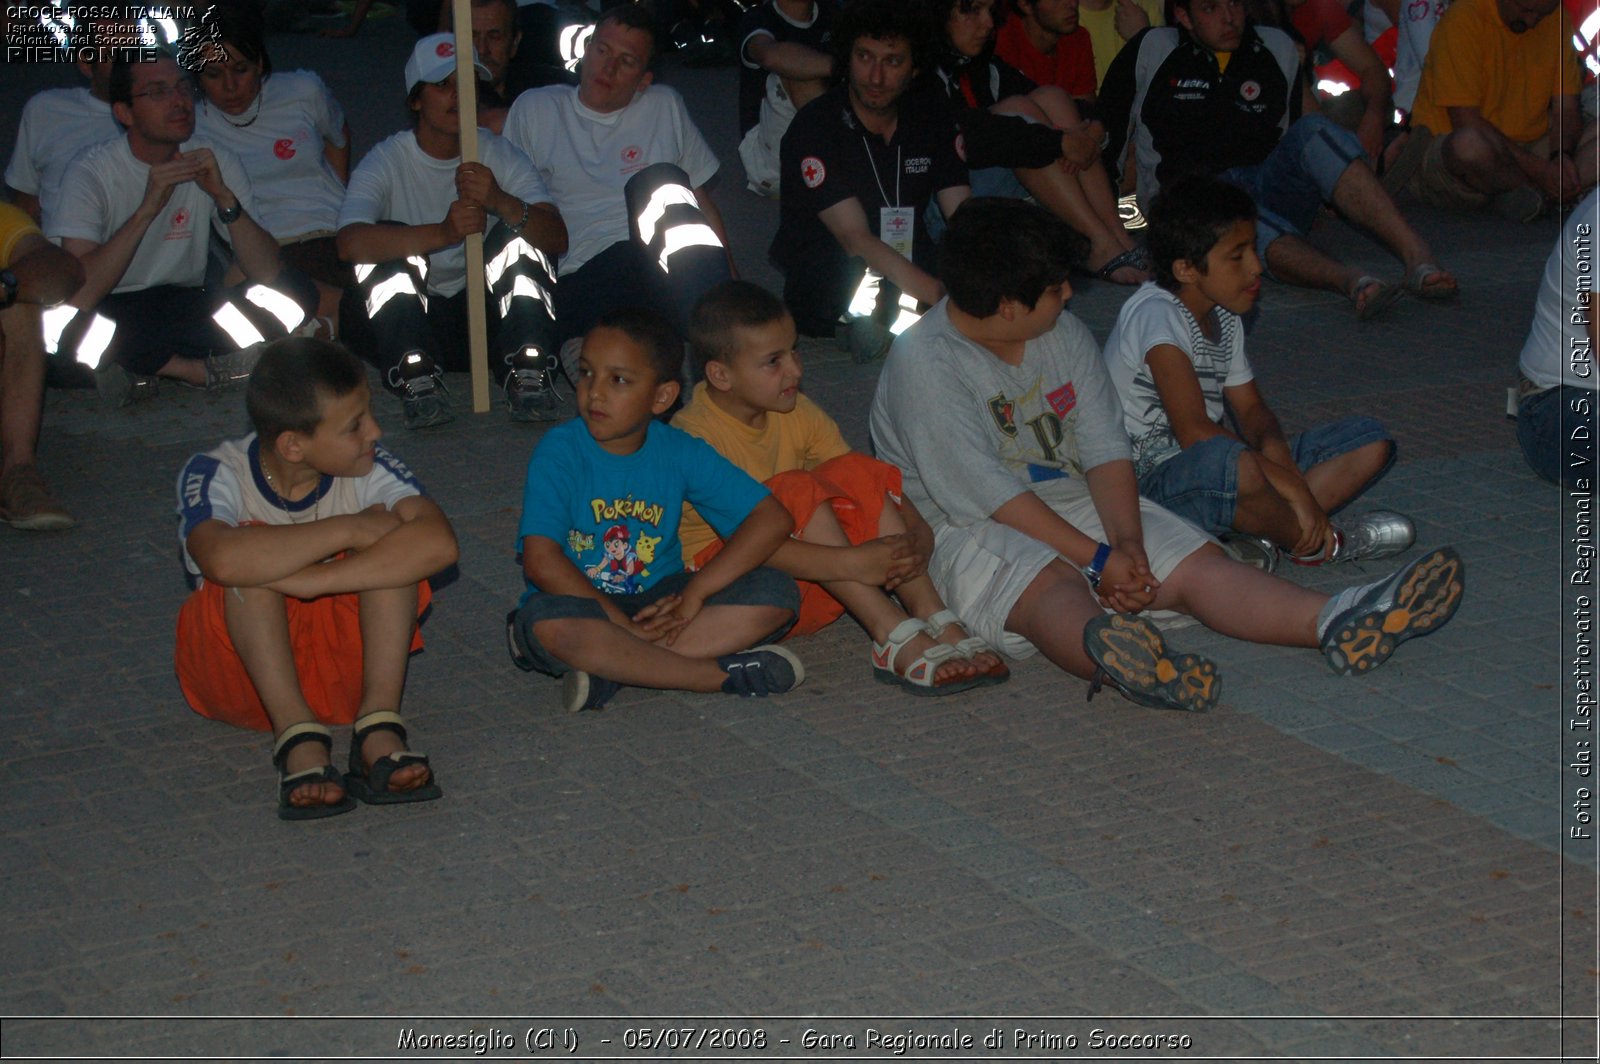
<point x="970" y="647"/>
<point x="919" y="676"/>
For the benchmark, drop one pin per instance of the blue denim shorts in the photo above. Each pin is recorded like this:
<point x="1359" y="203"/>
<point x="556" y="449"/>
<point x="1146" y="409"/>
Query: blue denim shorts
<point x="989" y="181"/>
<point x="759" y="587"/>
<point x="1291" y="185"/>
<point x="1202" y="482"/>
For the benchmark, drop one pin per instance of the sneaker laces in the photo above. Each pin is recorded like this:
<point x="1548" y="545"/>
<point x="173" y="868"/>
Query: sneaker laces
<point x="423" y="378"/>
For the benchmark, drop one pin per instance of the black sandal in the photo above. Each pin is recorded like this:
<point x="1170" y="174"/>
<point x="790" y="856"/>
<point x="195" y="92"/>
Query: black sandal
<point x="293" y="736"/>
<point x="371" y="783"/>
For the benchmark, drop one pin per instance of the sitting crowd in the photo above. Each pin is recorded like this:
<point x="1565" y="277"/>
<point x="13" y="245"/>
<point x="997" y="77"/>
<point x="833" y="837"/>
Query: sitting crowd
<point x="941" y="173"/>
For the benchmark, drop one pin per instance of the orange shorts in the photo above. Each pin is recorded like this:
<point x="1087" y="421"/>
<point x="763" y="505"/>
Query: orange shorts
<point x="324" y="632"/>
<point x="854" y="485"/>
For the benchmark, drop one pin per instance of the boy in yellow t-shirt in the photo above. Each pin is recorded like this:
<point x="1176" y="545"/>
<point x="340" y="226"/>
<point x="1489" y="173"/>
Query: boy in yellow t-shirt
<point x="858" y="546"/>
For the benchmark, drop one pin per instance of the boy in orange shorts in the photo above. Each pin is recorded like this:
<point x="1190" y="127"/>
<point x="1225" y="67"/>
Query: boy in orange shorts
<point x="310" y="547"/>
<point x="858" y="546"/>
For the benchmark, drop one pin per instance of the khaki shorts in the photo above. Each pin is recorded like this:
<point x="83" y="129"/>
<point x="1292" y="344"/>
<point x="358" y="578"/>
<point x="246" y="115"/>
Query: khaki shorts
<point x="1436" y="185"/>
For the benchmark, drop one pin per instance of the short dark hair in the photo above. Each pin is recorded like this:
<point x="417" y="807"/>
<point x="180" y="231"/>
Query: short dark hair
<point x="937" y="14"/>
<point x="634" y="16"/>
<point x="243" y="29"/>
<point x="1188" y="217"/>
<point x="293" y="380"/>
<point x="882" y="20"/>
<point x="730" y="305"/>
<point x="1001" y="248"/>
<point x="119" y="83"/>
<point x="653" y="332"/>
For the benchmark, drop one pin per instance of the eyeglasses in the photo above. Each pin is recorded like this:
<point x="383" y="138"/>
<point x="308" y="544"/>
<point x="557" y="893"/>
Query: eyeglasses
<point x="160" y="93"/>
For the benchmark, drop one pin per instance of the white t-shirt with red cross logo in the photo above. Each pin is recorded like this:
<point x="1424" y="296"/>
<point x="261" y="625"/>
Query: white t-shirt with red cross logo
<point x="279" y="140"/>
<point x="586" y="157"/>
<point x="105" y="185"/>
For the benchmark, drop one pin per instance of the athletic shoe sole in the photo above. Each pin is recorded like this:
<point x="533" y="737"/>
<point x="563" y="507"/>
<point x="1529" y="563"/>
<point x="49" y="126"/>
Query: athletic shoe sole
<point x="1425" y="595"/>
<point x="1131" y="655"/>
<point x="427" y="412"/>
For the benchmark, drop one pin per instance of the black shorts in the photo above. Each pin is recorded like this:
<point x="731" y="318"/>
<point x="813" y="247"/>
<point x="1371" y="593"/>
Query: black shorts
<point x="759" y="587"/>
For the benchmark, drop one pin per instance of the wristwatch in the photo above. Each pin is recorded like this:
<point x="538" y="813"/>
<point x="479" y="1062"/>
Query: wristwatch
<point x="8" y="288"/>
<point x="1092" y="571"/>
<point x="229" y="215"/>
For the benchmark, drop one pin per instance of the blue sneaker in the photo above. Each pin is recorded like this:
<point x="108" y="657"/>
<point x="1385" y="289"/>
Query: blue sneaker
<point x="762" y="671"/>
<point x="582" y="690"/>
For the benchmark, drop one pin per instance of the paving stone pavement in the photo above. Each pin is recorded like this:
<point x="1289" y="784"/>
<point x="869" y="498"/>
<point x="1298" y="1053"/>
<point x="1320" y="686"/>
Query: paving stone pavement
<point x="1321" y="868"/>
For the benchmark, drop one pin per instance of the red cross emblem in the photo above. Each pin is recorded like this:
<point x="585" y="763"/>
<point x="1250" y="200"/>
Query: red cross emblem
<point x="1250" y="90"/>
<point x="630" y="154"/>
<point x="284" y="149"/>
<point x="812" y="172"/>
<point x="180" y="219"/>
<point x="445" y="50"/>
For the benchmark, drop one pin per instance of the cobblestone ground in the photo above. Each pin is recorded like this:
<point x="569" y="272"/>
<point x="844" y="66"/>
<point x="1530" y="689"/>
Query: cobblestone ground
<point x="1322" y="867"/>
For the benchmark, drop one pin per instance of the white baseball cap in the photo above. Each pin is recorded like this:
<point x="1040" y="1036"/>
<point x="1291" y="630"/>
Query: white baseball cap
<point x="434" y="59"/>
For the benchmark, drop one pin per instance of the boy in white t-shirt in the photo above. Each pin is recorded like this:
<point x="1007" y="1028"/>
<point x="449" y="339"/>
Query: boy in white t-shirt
<point x="1205" y="444"/>
<point x="309" y="548"/>
<point x="411" y="204"/>
<point x="628" y="170"/>
<point x="138" y="211"/>
<point x="997" y="407"/>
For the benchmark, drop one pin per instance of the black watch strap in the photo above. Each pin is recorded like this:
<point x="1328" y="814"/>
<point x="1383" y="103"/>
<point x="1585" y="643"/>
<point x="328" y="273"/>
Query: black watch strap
<point x="8" y="288"/>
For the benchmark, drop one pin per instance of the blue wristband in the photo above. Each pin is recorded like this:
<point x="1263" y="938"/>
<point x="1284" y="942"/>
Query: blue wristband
<point x="1097" y="565"/>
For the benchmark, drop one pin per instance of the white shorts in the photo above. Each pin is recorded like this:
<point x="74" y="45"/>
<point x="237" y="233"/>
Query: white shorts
<point x="982" y="570"/>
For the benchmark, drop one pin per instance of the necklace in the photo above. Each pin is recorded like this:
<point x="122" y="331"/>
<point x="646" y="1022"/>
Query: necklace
<point x="242" y="125"/>
<point x="316" y="504"/>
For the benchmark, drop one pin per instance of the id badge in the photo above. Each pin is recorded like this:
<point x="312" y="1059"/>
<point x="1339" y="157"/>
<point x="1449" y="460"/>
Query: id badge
<point x="896" y="227"/>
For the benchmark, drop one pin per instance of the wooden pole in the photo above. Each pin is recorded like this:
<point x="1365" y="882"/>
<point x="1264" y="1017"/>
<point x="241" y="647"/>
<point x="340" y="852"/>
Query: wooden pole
<point x="467" y="108"/>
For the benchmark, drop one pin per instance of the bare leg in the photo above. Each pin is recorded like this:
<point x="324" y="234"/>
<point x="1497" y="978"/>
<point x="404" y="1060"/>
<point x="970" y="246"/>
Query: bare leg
<point x="1066" y="196"/>
<point x="328" y="298"/>
<point x="1051" y="615"/>
<point x="1259" y="509"/>
<point x="604" y="649"/>
<point x="1295" y="261"/>
<point x="921" y="599"/>
<point x="258" y="624"/>
<point x="1335" y="482"/>
<point x="1360" y="197"/>
<point x="719" y="630"/>
<point x="388" y="617"/>
<point x="21" y="383"/>
<point x="872" y="608"/>
<point x="1241" y="601"/>
<point x="1483" y="160"/>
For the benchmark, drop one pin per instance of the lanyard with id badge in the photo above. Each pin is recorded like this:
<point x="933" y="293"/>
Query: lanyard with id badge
<point x="897" y="224"/>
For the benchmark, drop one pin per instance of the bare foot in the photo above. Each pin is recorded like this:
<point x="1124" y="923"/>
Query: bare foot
<point x="987" y="662"/>
<point x="312" y="792"/>
<point x="951" y="670"/>
<point x="380" y="743"/>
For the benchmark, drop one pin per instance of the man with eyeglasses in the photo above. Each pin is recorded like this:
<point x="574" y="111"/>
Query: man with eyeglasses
<point x="138" y="211"/>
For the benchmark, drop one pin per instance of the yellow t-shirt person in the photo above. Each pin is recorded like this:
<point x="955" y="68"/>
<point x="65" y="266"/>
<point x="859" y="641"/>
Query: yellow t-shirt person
<point x="1474" y="60"/>
<point x="802" y="439"/>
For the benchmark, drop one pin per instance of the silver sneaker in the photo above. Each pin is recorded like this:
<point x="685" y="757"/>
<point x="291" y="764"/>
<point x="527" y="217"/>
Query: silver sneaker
<point x="420" y="386"/>
<point x="1256" y="551"/>
<point x="530" y="386"/>
<point x="1374" y="535"/>
<point x="234" y="367"/>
